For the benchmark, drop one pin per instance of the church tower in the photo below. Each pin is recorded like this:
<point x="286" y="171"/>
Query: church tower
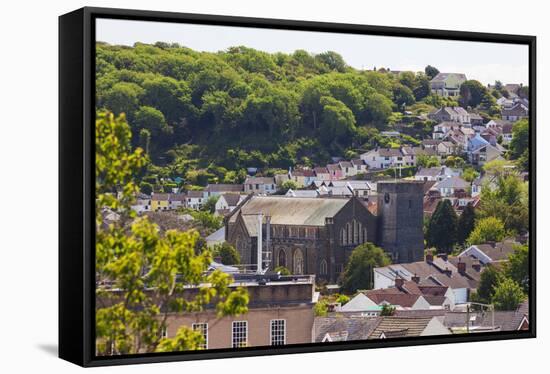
<point x="400" y="219"/>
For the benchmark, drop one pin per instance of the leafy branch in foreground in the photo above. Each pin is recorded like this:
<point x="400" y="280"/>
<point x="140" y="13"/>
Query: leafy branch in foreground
<point x="141" y="273"/>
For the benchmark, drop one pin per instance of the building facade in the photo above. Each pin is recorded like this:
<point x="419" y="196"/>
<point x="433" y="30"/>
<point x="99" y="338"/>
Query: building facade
<point x="280" y="311"/>
<point x="317" y="235"/>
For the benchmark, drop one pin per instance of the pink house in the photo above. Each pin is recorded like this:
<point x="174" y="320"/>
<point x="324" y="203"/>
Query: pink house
<point x="335" y="171"/>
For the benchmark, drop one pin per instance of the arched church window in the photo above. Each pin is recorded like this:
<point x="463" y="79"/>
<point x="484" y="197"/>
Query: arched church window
<point x="323" y="267"/>
<point x="298" y="262"/>
<point x="281" y="260"/>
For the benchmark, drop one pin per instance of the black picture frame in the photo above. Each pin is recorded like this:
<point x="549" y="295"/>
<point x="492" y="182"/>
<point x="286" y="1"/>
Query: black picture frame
<point x="76" y="182"/>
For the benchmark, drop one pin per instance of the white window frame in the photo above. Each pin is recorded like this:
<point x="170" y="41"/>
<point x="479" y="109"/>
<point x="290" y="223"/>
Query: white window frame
<point x="233" y="334"/>
<point x="197" y="326"/>
<point x="271" y="326"/>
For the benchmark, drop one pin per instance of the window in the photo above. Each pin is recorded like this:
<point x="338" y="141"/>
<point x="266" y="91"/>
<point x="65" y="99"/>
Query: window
<point x="349" y="232"/>
<point x="164" y="332"/>
<point x="343" y="237"/>
<point x="339" y="268"/>
<point x="298" y="262"/>
<point x="281" y="260"/>
<point x="239" y="334"/>
<point x="356" y="231"/>
<point x="323" y="267"/>
<point x="203" y="329"/>
<point x="278" y="331"/>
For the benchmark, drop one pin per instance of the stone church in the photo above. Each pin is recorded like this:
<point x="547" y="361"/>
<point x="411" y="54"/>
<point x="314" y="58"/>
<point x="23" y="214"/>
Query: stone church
<point x="317" y="235"/>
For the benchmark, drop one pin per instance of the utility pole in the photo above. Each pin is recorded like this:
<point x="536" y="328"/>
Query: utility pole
<point x="467" y="318"/>
<point x="259" y="248"/>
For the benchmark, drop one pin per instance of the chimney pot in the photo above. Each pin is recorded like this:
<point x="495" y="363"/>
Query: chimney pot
<point x="461" y="267"/>
<point x="399" y="282"/>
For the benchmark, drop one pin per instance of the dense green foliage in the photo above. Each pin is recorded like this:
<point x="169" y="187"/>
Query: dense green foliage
<point x="489" y="229"/>
<point x="489" y="279"/>
<point x="442" y="229"/>
<point x="358" y="273"/>
<point x="518" y="266"/>
<point x="505" y="286"/>
<point x="465" y="224"/>
<point x="519" y="146"/>
<point x="282" y="270"/>
<point x="508" y="295"/>
<point x="508" y="201"/>
<point x="227" y="253"/>
<point x="208" y="116"/>
<point x="142" y="264"/>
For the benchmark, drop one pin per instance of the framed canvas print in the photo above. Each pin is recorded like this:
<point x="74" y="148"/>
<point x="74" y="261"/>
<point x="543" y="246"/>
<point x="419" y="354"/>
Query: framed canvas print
<point x="237" y="186"/>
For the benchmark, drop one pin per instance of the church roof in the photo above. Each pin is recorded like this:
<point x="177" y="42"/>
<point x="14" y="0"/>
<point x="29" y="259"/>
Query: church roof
<point x="290" y="210"/>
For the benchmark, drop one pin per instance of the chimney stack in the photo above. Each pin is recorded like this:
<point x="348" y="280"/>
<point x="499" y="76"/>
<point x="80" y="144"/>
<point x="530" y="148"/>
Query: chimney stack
<point x="399" y="282"/>
<point x="416" y="279"/>
<point x="429" y="257"/>
<point x="461" y="267"/>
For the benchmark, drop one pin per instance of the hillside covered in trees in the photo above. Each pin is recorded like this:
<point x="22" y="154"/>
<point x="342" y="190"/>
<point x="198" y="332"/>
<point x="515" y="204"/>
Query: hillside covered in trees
<point x="206" y="117"/>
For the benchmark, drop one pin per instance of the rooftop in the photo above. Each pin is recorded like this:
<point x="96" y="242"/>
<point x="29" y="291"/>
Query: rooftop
<point x="290" y="211"/>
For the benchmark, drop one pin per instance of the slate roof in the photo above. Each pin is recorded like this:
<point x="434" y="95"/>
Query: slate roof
<point x="400" y="327"/>
<point x="428" y="172"/>
<point x="516" y="110"/>
<point x="392" y="296"/>
<point x="291" y="211"/>
<point x="224" y="187"/>
<point x="259" y="180"/>
<point x="160" y="196"/>
<point x="498" y="251"/>
<point x="439" y="272"/>
<point x="302" y="193"/>
<point x="232" y="199"/>
<point x="194" y="194"/>
<point x="357" y="328"/>
<point x="390" y="152"/>
<point x="178" y="197"/>
<point x="441" y="77"/>
<point x="303" y="172"/>
<point x="320" y="170"/>
<point x="452" y="182"/>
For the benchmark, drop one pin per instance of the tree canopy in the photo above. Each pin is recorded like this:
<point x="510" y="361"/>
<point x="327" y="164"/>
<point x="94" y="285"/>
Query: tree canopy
<point x="242" y="108"/>
<point x="148" y="270"/>
<point x="442" y="228"/>
<point x="358" y="272"/>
